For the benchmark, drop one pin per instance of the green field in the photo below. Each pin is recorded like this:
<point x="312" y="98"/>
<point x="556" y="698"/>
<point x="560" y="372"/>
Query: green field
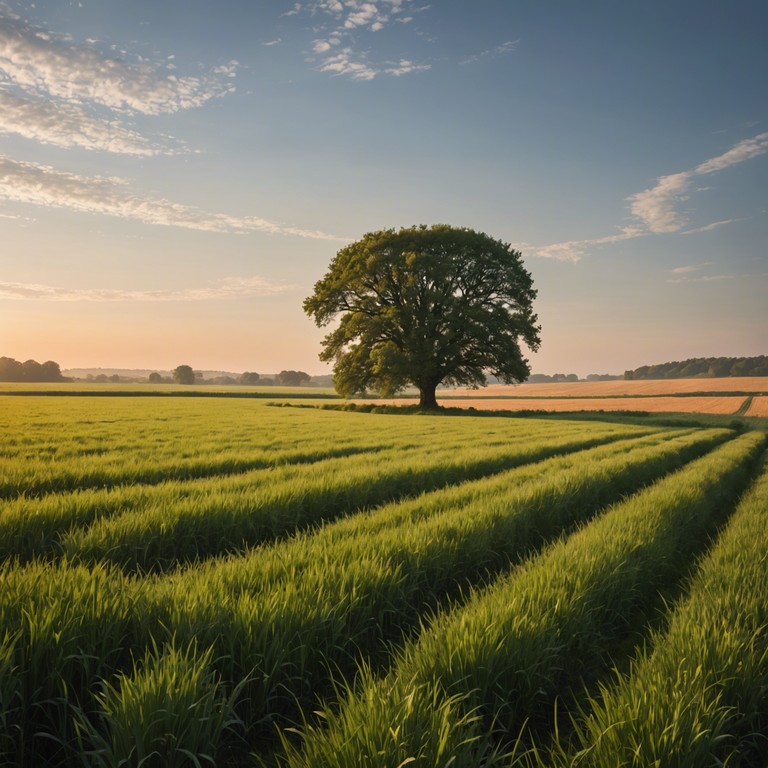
<point x="215" y="581"/>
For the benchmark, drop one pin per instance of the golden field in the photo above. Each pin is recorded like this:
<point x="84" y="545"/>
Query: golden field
<point x="615" y="388"/>
<point x="721" y="405"/>
<point x="759" y="407"/>
<point x="653" y="396"/>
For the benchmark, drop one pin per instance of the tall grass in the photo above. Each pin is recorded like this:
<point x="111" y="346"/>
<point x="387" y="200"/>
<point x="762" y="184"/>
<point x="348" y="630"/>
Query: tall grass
<point x="282" y="615"/>
<point x="171" y="531"/>
<point x="57" y="445"/>
<point x="699" y="697"/>
<point x="168" y="711"/>
<point x="472" y="683"/>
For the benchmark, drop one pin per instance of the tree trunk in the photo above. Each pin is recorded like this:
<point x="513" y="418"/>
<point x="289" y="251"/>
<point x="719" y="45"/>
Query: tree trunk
<point x="427" y="399"/>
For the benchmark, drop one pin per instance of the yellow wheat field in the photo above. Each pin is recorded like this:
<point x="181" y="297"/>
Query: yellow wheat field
<point x="618" y="387"/>
<point x="721" y="405"/>
<point x="759" y="407"/>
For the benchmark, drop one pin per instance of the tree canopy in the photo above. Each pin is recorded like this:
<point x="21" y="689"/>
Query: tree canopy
<point x="183" y="374"/>
<point x="29" y="370"/>
<point x="703" y="367"/>
<point x="423" y="306"/>
<point x="292" y="378"/>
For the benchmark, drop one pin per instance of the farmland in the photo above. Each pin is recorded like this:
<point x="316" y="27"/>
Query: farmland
<point x="212" y="580"/>
<point x="731" y="395"/>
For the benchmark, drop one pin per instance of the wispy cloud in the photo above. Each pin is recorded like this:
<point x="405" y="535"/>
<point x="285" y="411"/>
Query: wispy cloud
<point x="42" y="185"/>
<point x="709" y="227"/>
<point x="656" y="209"/>
<point x="704" y="278"/>
<point x="405" y="67"/>
<point x="344" y="63"/>
<point x="350" y="19"/>
<point x="40" y="62"/>
<point x="499" y="50"/>
<point x="69" y="126"/>
<point x="575" y="250"/>
<point x="231" y="288"/>
<point x="77" y="95"/>
<point x="690" y="268"/>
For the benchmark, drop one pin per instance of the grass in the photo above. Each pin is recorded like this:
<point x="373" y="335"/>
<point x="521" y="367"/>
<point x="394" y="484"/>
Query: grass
<point x="697" y="697"/>
<point x="466" y="688"/>
<point x="184" y="579"/>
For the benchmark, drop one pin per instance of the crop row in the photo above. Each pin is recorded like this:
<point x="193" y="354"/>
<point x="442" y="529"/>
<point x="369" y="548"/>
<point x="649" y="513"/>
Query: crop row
<point x="161" y="525"/>
<point x="486" y="676"/>
<point x="699" y="698"/>
<point x="283" y="617"/>
<point x="46" y="452"/>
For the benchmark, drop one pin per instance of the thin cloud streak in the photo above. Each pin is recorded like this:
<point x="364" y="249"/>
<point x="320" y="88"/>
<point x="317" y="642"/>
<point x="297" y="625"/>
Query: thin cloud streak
<point x="575" y="250"/>
<point x="656" y="207"/>
<point x="42" y="185"/>
<point x="233" y="288"/>
<point x="499" y="50"/>
<point x="704" y="278"/>
<point x="709" y="227"/>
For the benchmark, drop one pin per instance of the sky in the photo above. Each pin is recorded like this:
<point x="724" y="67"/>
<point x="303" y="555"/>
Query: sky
<point x="175" y="176"/>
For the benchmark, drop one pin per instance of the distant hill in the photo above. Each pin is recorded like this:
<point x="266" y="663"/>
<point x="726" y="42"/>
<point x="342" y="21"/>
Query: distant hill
<point x="702" y="368"/>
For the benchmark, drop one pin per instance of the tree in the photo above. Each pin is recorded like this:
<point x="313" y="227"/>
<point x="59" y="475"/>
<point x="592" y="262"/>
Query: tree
<point x="10" y="369"/>
<point x="51" y="371"/>
<point x="292" y="378"/>
<point x="183" y="374"/>
<point x="424" y="306"/>
<point x="249" y="377"/>
<point x="155" y="378"/>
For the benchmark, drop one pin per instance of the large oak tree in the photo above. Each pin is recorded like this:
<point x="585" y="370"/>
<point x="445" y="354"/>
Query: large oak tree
<point x="423" y="306"/>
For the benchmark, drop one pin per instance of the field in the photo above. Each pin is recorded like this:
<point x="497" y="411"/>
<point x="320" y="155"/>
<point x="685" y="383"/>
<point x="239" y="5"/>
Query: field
<point x="217" y="581"/>
<point x="734" y="395"/>
<point x="759" y="407"/>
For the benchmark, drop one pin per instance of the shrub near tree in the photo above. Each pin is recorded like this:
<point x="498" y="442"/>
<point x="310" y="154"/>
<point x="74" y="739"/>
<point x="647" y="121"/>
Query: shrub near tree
<point x="423" y="306"/>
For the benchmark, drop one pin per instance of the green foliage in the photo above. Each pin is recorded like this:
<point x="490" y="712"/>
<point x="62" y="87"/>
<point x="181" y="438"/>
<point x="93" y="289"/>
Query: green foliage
<point x="292" y="378"/>
<point x="183" y="374"/>
<point x="494" y="667"/>
<point x="698" y="697"/>
<point x="29" y="370"/>
<point x="702" y="367"/>
<point x="423" y="306"/>
<point x="168" y="712"/>
<point x="400" y="530"/>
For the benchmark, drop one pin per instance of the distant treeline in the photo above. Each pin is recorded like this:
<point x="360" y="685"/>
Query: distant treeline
<point x="703" y="367"/>
<point x="29" y="370"/>
<point x="555" y="378"/>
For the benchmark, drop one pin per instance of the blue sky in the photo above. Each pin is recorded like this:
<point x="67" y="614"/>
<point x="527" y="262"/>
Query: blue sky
<point x="176" y="175"/>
